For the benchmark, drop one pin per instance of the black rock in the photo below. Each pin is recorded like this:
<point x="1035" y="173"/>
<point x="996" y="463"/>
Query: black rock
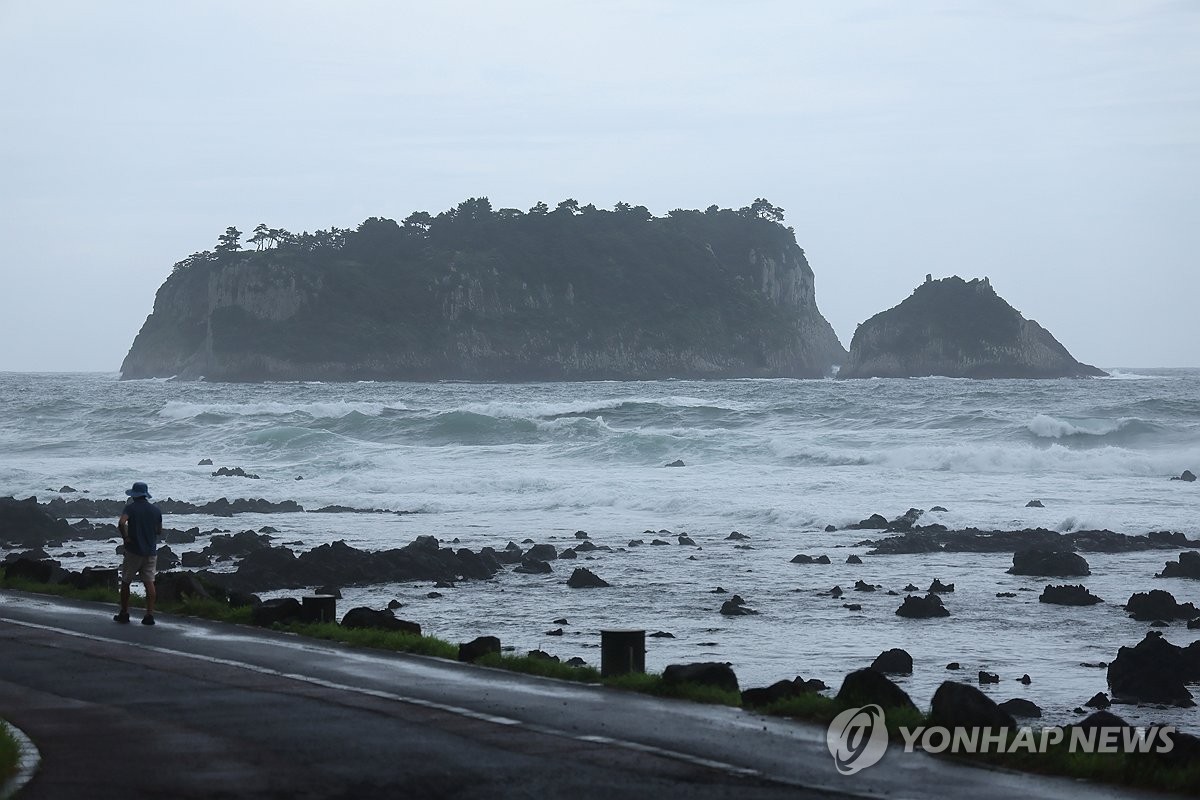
<point x="939" y="508"/>
<point x="865" y="686"/>
<point x="836" y="592"/>
<point x="863" y="586"/>
<point x="26" y="524"/>
<point x="676" y="463"/>
<point x="1068" y="596"/>
<point x="1053" y="563"/>
<point x="172" y="587"/>
<point x="205" y="462"/>
<point x="780" y="690"/>
<point x="852" y="606"/>
<point x="661" y="635"/>
<point x="1186" y="475"/>
<point x="954" y="665"/>
<point x="1019" y="707"/>
<point x="581" y="534"/>
<point x="583" y="578"/>
<point x="735" y="536"/>
<point x="822" y="559"/>
<point x="719" y="590"/>
<point x="1193" y="624"/>
<point x="961" y="705"/>
<point x="852" y="559"/>
<point x="873" y="522"/>
<point x="988" y="677"/>
<point x="281" y="610"/>
<point x="555" y="632"/>
<point x="895" y="661"/>
<point x="687" y="540"/>
<point x="478" y="648"/>
<point x="830" y="528"/>
<point x="1154" y="671"/>
<point x="635" y="542"/>
<point x="587" y="547"/>
<point x="568" y="554"/>
<point x="235" y="472"/>
<point x="658" y="542"/>
<point x="1188" y="566"/>
<point x="532" y="566"/>
<point x="927" y="607"/>
<point x="711" y="673"/>
<point x="1099" y="700"/>
<point x="1158" y="604"/>
<point x="383" y="620"/>
<point x="542" y="552"/>
<point x="938" y="587"/>
<point x="433" y="595"/>
<point x="1035" y="504"/>
<point x="1006" y="594"/>
<point x="736" y="607"/>
<point x="911" y="588"/>
<point x="1025" y="679"/>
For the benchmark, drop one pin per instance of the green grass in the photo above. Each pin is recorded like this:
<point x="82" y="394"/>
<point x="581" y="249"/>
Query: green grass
<point x="98" y="594"/>
<point x="10" y="754"/>
<point x="541" y="666"/>
<point x="650" y="683"/>
<point x="375" y="639"/>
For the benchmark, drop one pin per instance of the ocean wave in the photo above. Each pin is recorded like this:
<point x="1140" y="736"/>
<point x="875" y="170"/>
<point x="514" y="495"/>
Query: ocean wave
<point x="332" y="409"/>
<point x="1045" y="426"/>
<point x="544" y="410"/>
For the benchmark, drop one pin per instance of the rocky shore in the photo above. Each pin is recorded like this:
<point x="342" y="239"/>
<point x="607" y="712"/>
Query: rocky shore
<point x="234" y="566"/>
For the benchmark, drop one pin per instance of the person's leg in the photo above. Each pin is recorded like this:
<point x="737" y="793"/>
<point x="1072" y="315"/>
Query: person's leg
<point x="150" y="595"/>
<point x="124" y="597"/>
<point x="149" y="567"/>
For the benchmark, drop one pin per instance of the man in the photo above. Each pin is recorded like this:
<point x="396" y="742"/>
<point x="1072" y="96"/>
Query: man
<point x="140" y="526"/>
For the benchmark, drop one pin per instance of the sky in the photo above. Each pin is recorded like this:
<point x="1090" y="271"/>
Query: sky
<point x="1051" y="146"/>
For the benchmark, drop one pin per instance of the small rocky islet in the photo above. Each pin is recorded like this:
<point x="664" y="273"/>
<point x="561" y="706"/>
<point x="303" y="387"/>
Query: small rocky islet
<point x="1153" y="670"/>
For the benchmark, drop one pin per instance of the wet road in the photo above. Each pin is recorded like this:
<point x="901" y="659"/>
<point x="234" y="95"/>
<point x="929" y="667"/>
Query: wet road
<point x="193" y="709"/>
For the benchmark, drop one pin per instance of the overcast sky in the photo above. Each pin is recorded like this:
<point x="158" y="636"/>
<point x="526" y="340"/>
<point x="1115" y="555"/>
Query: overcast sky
<point x="1052" y="146"/>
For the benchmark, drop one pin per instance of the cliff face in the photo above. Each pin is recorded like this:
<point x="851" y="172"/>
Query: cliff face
<point x="958" y="329"/>
<point x="692" y="295"/>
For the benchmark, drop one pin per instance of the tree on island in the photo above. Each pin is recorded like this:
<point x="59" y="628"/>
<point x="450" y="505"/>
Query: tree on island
<point x="762" y="208"/>
<point x="229" y="242"/>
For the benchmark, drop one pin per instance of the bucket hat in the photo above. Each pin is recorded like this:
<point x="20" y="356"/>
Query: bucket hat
<point x="139" y="490"/>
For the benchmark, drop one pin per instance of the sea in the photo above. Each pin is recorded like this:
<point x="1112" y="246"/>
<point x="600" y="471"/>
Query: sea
<point x="775" y="460"/>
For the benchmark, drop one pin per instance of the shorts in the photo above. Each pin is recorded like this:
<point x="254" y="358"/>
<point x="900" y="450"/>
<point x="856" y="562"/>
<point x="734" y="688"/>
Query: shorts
<point x="136" y="565"/>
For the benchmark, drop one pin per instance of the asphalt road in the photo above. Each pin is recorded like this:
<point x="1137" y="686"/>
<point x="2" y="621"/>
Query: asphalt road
<point x="191" y="709"/>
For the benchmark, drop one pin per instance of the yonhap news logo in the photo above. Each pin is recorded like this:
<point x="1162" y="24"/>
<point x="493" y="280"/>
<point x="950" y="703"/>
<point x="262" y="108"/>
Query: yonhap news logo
<point x="858" y="738"/>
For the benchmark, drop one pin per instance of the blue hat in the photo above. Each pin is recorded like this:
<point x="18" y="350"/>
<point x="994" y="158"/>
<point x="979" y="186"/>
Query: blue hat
<point x="139" y="490"/>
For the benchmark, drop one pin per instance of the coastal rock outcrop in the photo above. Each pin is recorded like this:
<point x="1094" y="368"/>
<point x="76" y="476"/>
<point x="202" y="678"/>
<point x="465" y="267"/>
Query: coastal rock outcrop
<point x="959" y="329"/>
<point x="482" y="294"/>
<point x="1157" y="604"/>
<point x="1188" y="566"/>
<point x="1154" y="671"/>
<point x="1049" y="563"/>
<point x="1068" y="596"/>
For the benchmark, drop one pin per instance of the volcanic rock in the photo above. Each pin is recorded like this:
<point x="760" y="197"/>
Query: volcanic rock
<point x="958" y="329"/>
<point x="583" y="578"/>
<point x="383" y="620"/>
<point x="896" y="661"/>
<point x="865" y="686"/>
<point x="1186" y="475"/>
<point x="1154" y="671"/>
<point x="532" y="566"/>
<point x="1159" y="604"/>
<point x="1020" y="707"/>
<point x="938" y="587"/>
<point x="736" y="607"/>
<point x="711" y="673"/>
<point x="1068" y="596"/>
<point x="478" y="648"/>
<point x="1188" y="566"/>
<point x="961" y="705"/>
<point x="916" y="607"/>
<point x="1053" y="563"/>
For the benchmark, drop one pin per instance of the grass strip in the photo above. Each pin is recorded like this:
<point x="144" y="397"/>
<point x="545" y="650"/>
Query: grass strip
<point x="10" y="754"/>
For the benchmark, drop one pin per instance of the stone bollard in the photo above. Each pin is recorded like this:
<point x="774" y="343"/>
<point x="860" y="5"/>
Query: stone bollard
<point x="622" y="652"/>
<point x="319" y="608"/>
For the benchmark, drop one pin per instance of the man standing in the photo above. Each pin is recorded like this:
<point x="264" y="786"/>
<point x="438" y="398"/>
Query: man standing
<point x="140" y="526"/>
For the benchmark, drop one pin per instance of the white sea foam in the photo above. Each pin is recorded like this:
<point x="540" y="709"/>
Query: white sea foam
<point x="332" y="409"/>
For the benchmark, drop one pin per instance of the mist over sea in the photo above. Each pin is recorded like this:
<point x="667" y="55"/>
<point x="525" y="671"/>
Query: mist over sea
<point x="777" y="460"/>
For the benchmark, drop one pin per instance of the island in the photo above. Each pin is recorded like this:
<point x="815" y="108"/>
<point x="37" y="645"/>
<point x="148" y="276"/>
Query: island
<point x="959" y="329"/>
<point x="476" y="293"/>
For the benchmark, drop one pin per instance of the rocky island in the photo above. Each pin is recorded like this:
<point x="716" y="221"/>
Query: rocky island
<point x="958" y="329"/>
<point x="474" y="293"/>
